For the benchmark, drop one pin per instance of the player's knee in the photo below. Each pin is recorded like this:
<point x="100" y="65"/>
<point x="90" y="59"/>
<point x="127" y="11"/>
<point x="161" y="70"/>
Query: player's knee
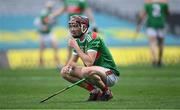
<point x="62" y="74"/>
<point x="96" y="77"/>
<point x="85" y="71"/>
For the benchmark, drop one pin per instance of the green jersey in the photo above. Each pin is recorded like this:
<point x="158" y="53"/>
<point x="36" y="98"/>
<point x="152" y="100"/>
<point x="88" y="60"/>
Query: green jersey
<point x="92" y="42"/>
<point x="156" y="14"/>
<point x="75" y="6"/>
<point x="44" y="27"/>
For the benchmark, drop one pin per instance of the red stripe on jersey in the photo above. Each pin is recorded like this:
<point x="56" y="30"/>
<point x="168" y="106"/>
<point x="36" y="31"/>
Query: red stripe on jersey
<point x="98" y="54"/>
<point x="94" y="35"/>
<point x="74" y="9"/>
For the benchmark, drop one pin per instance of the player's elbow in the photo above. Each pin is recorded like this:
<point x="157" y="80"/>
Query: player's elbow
<point x="89" y="63"/>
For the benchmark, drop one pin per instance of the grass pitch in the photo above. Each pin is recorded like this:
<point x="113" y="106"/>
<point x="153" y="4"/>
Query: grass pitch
<point x="138" y="87"/>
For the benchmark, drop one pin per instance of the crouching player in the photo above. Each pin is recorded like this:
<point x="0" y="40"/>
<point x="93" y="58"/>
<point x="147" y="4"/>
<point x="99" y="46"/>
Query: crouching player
<point x="100" y="69"/>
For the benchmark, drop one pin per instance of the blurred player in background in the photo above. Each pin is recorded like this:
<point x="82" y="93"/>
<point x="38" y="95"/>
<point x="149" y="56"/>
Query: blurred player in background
<point x="155" y="13"/>
<point x="45" y="26"/>
<point x="75" y="7"/>
<point x="100" y="69"/>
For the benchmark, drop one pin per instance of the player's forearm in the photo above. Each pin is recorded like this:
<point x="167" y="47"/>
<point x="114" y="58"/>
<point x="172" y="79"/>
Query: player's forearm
<point x="87" y="60"/>
<point x="58" y="12"/>
<point x="141" y="20"/>
<point x="89" y="13"/>
<point x="71" y="62"/>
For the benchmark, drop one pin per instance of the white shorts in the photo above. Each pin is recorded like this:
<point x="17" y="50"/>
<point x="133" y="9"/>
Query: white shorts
<point x="152" y="32"/>
<point x="47" y="37"/>
<point x="111" y="80"/>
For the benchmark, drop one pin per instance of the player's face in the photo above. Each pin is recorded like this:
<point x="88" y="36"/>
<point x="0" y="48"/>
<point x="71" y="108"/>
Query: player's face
<point x="75" y="29"/>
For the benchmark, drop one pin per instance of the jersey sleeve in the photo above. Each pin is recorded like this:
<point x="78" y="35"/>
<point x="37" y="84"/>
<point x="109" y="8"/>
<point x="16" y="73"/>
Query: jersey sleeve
<point x="94" y="45"/>
<point x="83" y="4"/>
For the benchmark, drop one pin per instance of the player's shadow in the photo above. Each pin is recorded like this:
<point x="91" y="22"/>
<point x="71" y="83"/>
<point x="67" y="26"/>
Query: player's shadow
<point x="80" y="101"/>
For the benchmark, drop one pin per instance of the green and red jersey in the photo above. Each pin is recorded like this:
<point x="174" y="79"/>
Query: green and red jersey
<point x="92" y="42"/>
<point x="44" y="25"/>
<point x="75" y="6"/>
<point x="156" y="14"/>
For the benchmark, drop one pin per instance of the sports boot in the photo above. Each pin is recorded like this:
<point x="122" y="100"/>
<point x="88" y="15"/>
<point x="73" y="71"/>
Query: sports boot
<point x="106" y="95"/>
<point x="94" y="95"/>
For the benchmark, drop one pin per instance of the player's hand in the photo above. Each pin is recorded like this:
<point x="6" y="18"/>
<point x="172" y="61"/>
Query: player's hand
<point x="72" y="43"/>
<point x="67" y="69"/>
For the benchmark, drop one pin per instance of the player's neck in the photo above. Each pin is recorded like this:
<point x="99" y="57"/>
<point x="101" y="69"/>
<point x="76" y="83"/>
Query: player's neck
<point x="82" y="37"/>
